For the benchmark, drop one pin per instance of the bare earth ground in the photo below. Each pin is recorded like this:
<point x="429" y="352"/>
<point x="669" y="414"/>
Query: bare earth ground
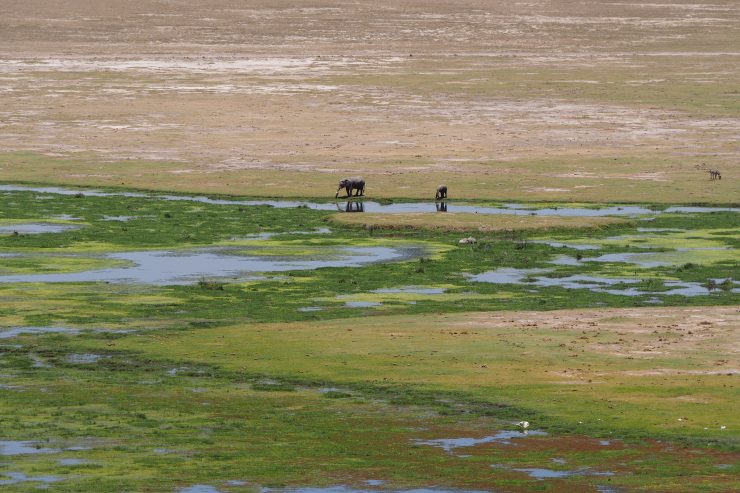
<point x="558" y="100"/>
<point x="680" y="329"/>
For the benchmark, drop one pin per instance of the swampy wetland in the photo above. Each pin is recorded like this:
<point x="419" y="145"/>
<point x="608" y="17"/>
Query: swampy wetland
<point x="153" y="342"/>
<point x="193" y="315"/>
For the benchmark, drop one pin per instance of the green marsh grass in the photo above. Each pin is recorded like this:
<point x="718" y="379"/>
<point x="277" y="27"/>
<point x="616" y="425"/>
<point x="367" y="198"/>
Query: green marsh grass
<point x="225" y="376"/>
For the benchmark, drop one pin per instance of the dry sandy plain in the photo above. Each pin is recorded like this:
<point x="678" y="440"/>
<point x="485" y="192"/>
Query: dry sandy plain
<point x="531" y="100"/>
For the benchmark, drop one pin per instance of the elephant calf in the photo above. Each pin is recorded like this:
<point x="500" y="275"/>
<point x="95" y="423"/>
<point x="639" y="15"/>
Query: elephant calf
<point x="350" y="184"/>
<point x="441" y="192"/>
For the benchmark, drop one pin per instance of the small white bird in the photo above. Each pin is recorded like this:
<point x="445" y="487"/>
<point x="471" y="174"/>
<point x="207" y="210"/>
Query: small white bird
<point x="523" y="424"/>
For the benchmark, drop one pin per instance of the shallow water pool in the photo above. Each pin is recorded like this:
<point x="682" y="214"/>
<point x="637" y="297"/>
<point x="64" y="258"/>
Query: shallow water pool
<point x="36" y="228"/>
<point x="168" y="267"/>
<point x="354" y="206"/>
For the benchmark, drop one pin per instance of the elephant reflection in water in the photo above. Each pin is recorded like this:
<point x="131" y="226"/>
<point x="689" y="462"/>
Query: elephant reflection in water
<point x="352" y="206"/>
<point x="441" y="206"/>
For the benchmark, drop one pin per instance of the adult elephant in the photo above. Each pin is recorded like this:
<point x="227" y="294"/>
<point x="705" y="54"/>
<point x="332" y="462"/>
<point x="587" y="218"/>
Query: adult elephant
<point x="350" y="184"/>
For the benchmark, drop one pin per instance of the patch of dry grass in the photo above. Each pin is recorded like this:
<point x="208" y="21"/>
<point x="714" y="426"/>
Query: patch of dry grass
<point x="471" y="222"/>
<point x="596" y="181"/>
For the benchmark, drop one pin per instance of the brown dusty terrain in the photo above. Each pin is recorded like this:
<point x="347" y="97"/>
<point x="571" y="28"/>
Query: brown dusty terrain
<point x="645" y="332"/>
<point x="530" y="100"/>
